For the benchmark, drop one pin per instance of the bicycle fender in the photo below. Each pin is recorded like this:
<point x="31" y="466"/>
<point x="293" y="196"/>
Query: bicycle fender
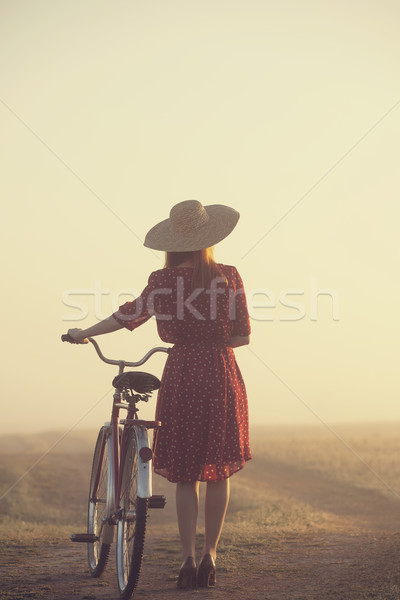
<point x="144" y="467"/>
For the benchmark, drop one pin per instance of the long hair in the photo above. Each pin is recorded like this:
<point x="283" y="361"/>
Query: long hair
<point x="205" y="269"/>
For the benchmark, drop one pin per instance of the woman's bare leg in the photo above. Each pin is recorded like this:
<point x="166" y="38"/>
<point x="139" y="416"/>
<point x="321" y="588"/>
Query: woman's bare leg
<point x="216" y="503"/>
<point x="187" y="508"/>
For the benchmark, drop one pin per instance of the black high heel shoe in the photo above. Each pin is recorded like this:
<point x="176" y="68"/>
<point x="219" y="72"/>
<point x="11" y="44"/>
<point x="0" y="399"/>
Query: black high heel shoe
<point x="206" y="572"/>
<point x="187" y="574"/>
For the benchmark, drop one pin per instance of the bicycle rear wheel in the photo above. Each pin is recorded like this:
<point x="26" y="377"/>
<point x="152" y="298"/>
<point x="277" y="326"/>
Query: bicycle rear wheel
<point x="98" y="551"/>
<point x="132" y="525"/>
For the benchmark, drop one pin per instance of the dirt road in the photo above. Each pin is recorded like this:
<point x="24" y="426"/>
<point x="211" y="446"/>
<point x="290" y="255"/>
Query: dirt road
<point x="350" y="552"/>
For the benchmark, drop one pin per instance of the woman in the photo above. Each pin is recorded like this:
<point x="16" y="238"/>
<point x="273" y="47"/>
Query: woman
<point x="200" y="307"/>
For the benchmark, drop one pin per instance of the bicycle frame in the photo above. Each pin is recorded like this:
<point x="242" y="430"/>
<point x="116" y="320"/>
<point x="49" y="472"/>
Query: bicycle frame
<point x="114" y="442"/>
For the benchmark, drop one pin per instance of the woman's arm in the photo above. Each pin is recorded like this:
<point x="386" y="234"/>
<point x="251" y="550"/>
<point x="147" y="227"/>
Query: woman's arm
<point x="106" y="326"/>
<point x="239" y="340"/>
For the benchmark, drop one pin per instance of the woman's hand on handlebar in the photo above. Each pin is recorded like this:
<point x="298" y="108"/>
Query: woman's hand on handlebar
<point x="76" y="334"/>
<point x="80" y="336"/>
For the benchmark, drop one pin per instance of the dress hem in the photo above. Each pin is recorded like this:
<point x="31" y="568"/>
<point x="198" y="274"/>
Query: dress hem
<point x="204" y="480"/>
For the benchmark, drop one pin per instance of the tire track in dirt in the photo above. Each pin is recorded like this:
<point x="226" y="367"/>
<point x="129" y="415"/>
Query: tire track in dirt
<point x="292" y="567"/>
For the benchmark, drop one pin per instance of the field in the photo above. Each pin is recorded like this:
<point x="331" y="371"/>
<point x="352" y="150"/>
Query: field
<point x="311" y="517"/>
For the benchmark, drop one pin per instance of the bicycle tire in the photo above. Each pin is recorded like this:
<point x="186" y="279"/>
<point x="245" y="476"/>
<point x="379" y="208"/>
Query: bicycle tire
<point x="131" y="527"/>
<point x="98" y="551"/>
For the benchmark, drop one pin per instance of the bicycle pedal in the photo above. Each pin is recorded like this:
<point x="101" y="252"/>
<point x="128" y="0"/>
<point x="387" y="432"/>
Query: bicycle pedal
<point x="157" y="501"/>
<point x="87" y="538"/>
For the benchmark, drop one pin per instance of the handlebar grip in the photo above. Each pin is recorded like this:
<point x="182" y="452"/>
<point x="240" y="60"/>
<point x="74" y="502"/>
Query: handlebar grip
<point x="67" y="338"/>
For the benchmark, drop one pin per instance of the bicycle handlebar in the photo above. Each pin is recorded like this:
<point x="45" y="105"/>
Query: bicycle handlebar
<point x="67" y="338"/>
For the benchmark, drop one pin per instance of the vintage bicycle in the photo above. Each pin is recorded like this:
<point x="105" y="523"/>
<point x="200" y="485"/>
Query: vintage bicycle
<point x="120" y="490"/>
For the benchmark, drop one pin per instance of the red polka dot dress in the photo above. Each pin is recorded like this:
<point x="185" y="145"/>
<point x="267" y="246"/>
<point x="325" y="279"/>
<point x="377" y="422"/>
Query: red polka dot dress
<point x="202" y="401"/>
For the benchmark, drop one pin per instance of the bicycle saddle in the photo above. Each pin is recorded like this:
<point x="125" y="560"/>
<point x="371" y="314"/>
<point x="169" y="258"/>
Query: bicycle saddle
<point x="140" y="382"/>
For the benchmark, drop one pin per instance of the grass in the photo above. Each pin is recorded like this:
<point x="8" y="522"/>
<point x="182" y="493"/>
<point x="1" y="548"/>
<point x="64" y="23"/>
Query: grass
<point x="48" y="504"/>
<point x="318" y="449"/>
<point x="52" y="497"/>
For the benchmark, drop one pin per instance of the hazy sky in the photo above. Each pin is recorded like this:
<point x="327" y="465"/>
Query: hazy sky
<point x="111" y="112"/>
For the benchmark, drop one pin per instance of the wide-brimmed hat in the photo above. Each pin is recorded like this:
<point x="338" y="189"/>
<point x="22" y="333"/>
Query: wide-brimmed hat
<point x="192" y="226"/>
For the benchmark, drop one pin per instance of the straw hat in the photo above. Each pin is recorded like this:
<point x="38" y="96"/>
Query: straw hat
<point x="192" y="226"/>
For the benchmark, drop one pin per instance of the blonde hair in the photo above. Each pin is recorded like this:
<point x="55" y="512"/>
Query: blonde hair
<point x="205" y="269"/>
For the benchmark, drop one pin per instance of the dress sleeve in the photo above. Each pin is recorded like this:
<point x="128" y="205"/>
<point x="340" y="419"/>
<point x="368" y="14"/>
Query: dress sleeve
<point x="138" y="311"/>
<point x="239" y="313"/>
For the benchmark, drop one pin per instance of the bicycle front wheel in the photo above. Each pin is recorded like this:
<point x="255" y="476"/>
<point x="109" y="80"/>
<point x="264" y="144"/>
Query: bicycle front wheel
<point x="132" y="525"/>
<point x="98" y="551"/>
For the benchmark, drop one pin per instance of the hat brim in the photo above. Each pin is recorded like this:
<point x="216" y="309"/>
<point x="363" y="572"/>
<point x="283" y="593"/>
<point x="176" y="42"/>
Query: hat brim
<point x="222" y="220"/>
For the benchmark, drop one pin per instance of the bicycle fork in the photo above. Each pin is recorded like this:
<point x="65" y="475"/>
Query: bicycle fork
<point x="144" y="458"/>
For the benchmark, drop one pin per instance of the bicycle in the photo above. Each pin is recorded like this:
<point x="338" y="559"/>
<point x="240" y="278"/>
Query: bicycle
<point x="120" y="490"/>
